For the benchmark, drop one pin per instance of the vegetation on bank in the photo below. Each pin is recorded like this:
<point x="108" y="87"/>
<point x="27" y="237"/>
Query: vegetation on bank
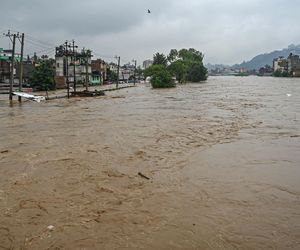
<point x="278" y="73"/>
<point x="185" y="65"/>
<point x="161" y="77"/>
<point x="43" y="76"/>
<point x="111" y="75"/>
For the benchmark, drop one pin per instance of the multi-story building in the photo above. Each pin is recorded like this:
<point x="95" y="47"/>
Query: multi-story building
<point x="72" y="66"/>
<point x="147" y="63"/>
<point x="294" y="65"/>
<point x="99" y="71"/>
<point x="290" y="65"/>
<point x="5" y="64"/>
<point x="280" y="65"/>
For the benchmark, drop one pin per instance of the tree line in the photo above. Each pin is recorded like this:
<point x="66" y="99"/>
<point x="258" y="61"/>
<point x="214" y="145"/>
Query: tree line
<point x="186" y="65"/>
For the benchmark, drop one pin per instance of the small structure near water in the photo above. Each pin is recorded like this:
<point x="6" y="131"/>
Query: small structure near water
<point x="87" y="93"/>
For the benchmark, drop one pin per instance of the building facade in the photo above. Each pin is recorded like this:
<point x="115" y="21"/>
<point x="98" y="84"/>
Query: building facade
<point x="99" y="71"/>
<point x="71" y="66"/>
<point x="280" y="65"/>
<point x="147" y="63"/>
<point x="294" y="65"/>
<point x="290" y="66"/>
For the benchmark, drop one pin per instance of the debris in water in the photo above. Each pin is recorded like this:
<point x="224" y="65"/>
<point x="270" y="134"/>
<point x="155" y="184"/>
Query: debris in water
<point x="289" y="95"/>
<point x="92" y="151"/>
<point x="50" y="227"/>
<point x="144" y="176"/>
<point x="30" y="97"/>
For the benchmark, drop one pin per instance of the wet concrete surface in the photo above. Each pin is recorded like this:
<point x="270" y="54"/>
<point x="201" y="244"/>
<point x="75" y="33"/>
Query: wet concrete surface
<point x="222" y="157"/>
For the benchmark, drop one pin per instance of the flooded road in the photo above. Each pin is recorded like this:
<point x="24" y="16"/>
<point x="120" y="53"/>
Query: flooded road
<point x="222" y="157"/>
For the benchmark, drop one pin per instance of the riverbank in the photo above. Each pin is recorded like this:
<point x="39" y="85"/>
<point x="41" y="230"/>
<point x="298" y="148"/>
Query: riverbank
<point x="63" y="93"/>
<point x="222" y="158"/>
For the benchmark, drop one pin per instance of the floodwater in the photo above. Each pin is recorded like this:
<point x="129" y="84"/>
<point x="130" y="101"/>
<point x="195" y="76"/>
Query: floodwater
<point x="223" y="160"/>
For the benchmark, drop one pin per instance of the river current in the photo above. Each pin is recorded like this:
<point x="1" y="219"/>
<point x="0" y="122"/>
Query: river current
<point x="222" y="158"/>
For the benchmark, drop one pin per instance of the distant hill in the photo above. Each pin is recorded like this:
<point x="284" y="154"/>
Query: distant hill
<point x="263" y="59"/>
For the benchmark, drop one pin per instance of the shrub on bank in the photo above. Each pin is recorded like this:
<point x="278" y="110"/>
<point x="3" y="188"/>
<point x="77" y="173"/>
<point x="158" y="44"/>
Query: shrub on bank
<point x="162" y="79"/>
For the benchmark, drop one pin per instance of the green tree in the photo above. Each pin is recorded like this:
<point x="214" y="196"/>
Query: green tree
<point x="111" y="75"/>
<point x="160" y="58"/>
<point x="160" y="76"/>
<point x="162" y="79"/>
<point x="197" y="72"/>
<point x="187" y="64"/>
<point x="172" y="55"/>
<point x="155" y="68"/>
<point x="179" y="70"/>
<point x="43" y="76"/>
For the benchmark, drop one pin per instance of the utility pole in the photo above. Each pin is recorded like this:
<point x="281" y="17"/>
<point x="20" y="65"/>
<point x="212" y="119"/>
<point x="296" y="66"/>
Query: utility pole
<point x="134" y="71"/>
<point x="21" y="66"/>
<point x="74" y="60"/>
<point x="12" y="68"/>
<point x="12" y="65"/>
<point x="118" y="57"/>
<point x="86" y="71"/>
<point x="67" y="68"/>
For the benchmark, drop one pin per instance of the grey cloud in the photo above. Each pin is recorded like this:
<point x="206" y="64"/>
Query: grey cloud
<point x="227" y="31"/>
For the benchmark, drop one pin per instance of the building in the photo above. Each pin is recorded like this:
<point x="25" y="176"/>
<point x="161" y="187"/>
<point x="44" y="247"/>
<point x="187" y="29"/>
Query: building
<point x="4" y="71"/>
<point x="280" y="65"/>
<point x="99" y="71"/>
<point x="294" y="65"/>
<point x="289" y="66"/>
<point x="5" y="64"/>
<point x="147" y="63"/>
<point x="71" y="66"/>
<point x="28" y="69"/>
<point x="265" y="71"/>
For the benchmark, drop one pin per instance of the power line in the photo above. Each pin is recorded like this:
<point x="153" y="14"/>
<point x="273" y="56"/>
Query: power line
<point x="37" y="44"/>
<point x="40" y="41"/>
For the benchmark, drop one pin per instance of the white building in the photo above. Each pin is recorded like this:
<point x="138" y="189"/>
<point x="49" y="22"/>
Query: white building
<point x="147" y="63"/>
<point x="280" y="64"/>
<point x="66" y="63"/>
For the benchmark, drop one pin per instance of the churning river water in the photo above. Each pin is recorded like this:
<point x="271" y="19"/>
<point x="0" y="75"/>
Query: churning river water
<point x="222" y="158"/>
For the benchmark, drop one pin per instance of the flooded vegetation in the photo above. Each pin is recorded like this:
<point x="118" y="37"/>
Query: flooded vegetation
<point x="221" y="161"/>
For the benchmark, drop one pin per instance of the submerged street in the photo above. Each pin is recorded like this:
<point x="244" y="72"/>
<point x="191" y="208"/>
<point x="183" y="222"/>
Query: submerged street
<point x="222" y="157"/>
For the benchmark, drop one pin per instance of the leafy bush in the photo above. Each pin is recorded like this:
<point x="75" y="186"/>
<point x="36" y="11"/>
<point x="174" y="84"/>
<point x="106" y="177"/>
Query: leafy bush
<point x="43" y="77"/>
<point x="197" y="73"/>
<point x="162" y="79"/>
<point x="153" y="69"/>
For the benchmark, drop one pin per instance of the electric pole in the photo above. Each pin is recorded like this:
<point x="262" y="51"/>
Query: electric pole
<point x="86" y="71"/>
<point x="67" y="68"/>
<point x="74" y="60"/>
<point x="12" y="64"/>
<point x="21" y="66"/>
<point x="118" y="57"/>
<point x="12" y="68"/>
<point x="134" y="71"/>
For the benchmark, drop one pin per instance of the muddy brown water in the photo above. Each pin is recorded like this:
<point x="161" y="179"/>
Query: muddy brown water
<point x="223" y="160"/>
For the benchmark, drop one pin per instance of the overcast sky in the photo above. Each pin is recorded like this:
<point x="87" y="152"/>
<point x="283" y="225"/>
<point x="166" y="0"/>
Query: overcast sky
<point x="226" y="31"/>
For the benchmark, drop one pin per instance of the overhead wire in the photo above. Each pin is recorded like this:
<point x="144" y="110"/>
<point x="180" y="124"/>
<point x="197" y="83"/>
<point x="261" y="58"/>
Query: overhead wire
<point x="44" y="47"/>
